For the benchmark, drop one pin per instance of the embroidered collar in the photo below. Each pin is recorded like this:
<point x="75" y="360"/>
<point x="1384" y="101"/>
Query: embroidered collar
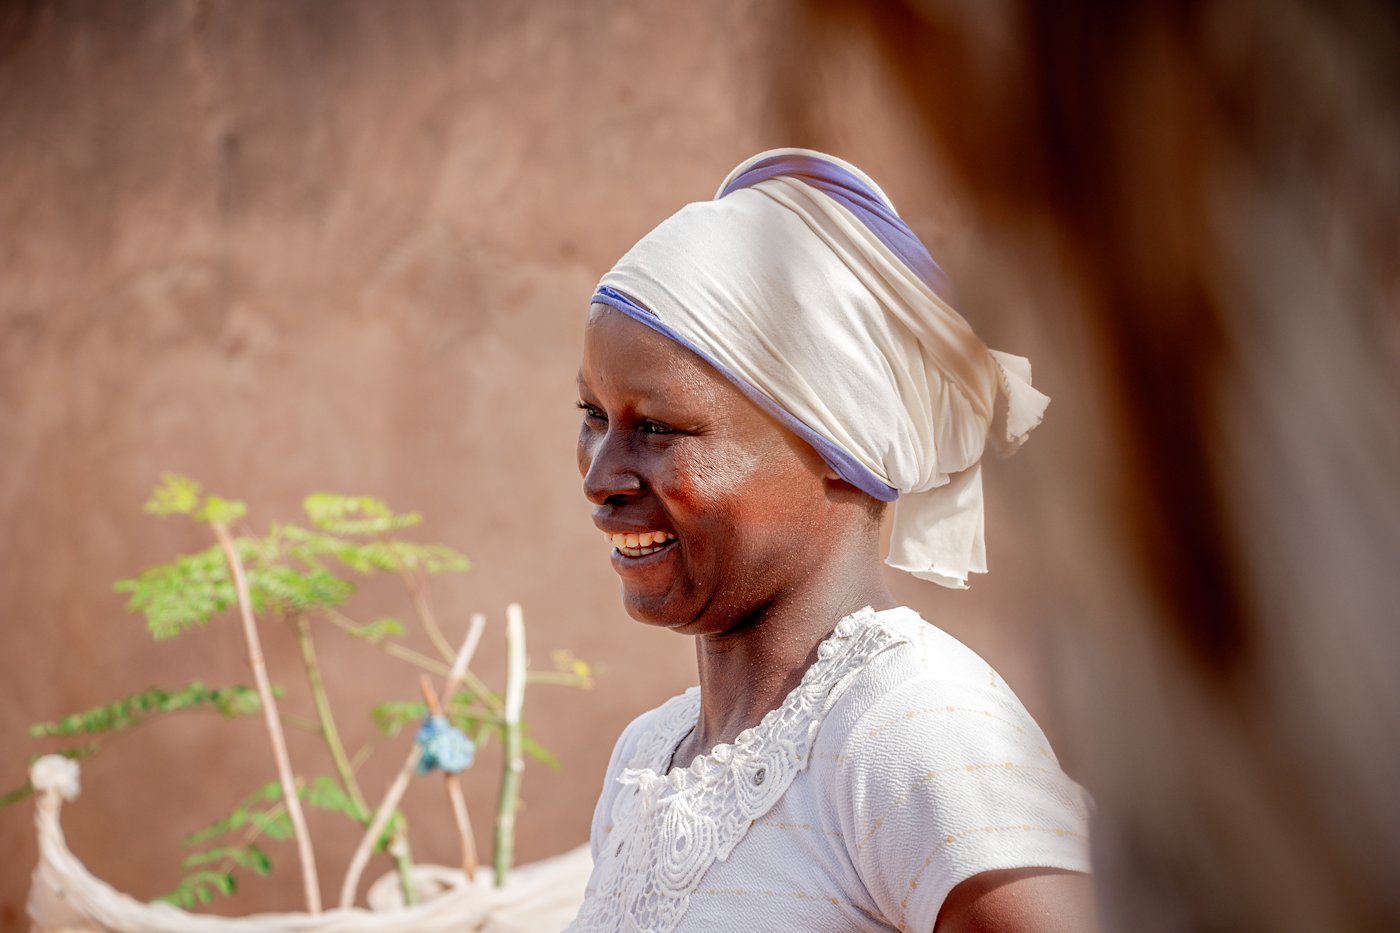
<point x="669" y="828"/>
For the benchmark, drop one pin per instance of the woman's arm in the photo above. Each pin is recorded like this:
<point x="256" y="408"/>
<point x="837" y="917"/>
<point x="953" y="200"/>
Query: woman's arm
<point x="1021" y="900"/>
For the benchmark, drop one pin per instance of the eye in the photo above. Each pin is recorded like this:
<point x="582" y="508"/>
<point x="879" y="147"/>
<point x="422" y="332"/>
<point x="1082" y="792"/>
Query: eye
<point x="655" y="427"/>
<point x="592" y="412"/>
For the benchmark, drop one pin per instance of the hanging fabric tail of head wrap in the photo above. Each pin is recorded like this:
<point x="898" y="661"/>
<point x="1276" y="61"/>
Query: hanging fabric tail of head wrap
<point x="801" y="284"/>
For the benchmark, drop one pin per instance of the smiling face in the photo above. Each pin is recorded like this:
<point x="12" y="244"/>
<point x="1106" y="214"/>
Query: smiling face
<point x="669" y="445"/>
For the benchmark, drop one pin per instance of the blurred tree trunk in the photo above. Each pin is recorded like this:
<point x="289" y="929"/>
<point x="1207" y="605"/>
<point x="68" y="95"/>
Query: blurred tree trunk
<point x="1210" y="195"/>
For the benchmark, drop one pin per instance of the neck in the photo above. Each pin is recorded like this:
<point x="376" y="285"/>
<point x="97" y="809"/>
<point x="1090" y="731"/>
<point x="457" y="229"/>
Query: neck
<point x="748" y="671"/>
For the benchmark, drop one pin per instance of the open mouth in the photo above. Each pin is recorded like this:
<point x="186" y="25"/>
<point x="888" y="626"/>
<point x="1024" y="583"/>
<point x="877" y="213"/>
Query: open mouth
<point x="640" y="545"/>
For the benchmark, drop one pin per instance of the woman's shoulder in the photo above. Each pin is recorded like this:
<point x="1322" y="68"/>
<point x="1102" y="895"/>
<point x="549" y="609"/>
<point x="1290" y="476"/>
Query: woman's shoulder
<point x="930" y="770"/>
<point x="924" y="658"/>
<point x="932" y="692"/>
<point x="928" y="652"/>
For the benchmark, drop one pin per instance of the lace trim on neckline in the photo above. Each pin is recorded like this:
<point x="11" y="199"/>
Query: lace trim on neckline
<point x="668" y="829"/>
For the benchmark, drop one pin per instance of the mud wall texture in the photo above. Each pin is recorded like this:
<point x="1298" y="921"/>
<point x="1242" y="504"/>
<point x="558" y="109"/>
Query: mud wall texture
<point x="288" y="247"/>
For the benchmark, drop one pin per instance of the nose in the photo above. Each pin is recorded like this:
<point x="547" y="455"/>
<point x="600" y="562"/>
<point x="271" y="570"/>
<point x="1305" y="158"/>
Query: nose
<point x="608" y="474"/>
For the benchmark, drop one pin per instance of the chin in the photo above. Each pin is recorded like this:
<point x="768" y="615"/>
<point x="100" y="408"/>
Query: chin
<point x="661" y="611"/>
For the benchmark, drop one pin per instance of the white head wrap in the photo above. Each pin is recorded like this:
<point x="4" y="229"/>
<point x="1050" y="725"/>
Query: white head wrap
<point x="801" y="284"/>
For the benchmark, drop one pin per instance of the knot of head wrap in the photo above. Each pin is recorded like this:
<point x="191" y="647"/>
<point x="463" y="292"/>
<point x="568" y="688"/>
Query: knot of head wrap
<point x="803" y="286"/>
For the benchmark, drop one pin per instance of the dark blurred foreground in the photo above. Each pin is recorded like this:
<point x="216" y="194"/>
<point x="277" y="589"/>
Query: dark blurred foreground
<point x="1205" y="199"/>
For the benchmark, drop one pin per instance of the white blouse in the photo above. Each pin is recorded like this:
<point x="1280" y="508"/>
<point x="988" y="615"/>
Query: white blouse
<point x="901" y="765"/>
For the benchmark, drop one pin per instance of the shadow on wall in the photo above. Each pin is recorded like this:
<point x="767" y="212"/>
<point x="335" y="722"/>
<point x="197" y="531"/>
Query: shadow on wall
<point x="1202" y="199"/>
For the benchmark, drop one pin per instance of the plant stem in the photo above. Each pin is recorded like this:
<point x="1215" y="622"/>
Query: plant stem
<point x="362" y="754"/>
<point x="298" y="722"/>
<point x="421" y="661"/>
<point x="328" y="730"/>
<point x="400" y="783"/>
<point x="483" y="692"/>
<point x="558" y="678"/>
<point x="421" y="607"/>
<point x="514" y="762"/>
<point x="403" y="861"/>
<point x="274" y="723"/>
<point x="425" y="615"/>
<point x="394" y="649"/>
<point x="403" y="864"/>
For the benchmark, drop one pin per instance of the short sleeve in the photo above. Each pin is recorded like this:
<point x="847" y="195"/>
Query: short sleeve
<point x="943" y="780"/>
<point x="602" y="810"/>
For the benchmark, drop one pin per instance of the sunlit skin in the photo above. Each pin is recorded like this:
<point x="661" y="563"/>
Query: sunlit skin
<point x="771" y="549"/>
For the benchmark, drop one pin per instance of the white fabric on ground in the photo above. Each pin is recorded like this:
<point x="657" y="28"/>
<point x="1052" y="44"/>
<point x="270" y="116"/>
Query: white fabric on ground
<point x="64" y="897"/>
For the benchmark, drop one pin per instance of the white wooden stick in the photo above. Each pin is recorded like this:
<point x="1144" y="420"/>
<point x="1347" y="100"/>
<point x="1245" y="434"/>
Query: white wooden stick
<point x="400" y="782"/>
<point x="514" y="762"/>
<point x="455" y="798"/>
<point x="290" y="797"/>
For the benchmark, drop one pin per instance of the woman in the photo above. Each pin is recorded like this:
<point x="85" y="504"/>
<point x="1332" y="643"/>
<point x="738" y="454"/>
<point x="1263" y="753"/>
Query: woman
<point x="761" y="375"/>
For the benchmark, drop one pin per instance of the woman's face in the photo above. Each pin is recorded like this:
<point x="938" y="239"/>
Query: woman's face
<point x="726" y="504"/>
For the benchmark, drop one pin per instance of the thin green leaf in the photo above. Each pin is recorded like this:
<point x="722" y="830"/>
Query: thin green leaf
<point x="538" y="752"/>
<point x="220" y="511"/>
<point x="325" y="793"/>
<point x="378" y="630"/>
<point x="288" y="589"/>
<point x="133" y="710"/>
<point x="23" y="792"/>
<point x="200" y="888"/>
<point x="241" y="816"/>
<point x="429" y="558"/>
<point x="355" y="515"/>
<point x="272" y="825"/>
<point x="176" y="495"/>
<point x="391" y="717"/>
<point x="250" y="856"/>
<point x="185" y="592"/>
<point x="75" y="752"/>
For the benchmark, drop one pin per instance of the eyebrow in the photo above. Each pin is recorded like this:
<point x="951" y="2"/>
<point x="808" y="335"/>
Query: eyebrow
<point x="584" y="389"/>
<point x="582" y="383"/>
<point x="656" y="394"/>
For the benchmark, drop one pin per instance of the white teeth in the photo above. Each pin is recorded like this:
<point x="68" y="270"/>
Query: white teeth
<point x="639" y="545"/>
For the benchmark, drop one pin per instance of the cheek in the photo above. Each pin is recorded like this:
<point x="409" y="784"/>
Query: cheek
<point x="758" y="493"/>
<point x="707" y="478"/>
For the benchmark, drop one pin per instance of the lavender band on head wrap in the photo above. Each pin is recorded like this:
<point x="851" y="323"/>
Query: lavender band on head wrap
<point x="802" y="285"/>
<point x="855" y="191"/>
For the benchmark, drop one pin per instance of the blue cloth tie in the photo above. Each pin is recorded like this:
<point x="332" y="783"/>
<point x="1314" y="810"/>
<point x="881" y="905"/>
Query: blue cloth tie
<point x="445" y="747"/>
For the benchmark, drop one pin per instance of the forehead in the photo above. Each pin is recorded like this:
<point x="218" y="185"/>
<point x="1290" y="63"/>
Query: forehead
<point x="625" y="356"/>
